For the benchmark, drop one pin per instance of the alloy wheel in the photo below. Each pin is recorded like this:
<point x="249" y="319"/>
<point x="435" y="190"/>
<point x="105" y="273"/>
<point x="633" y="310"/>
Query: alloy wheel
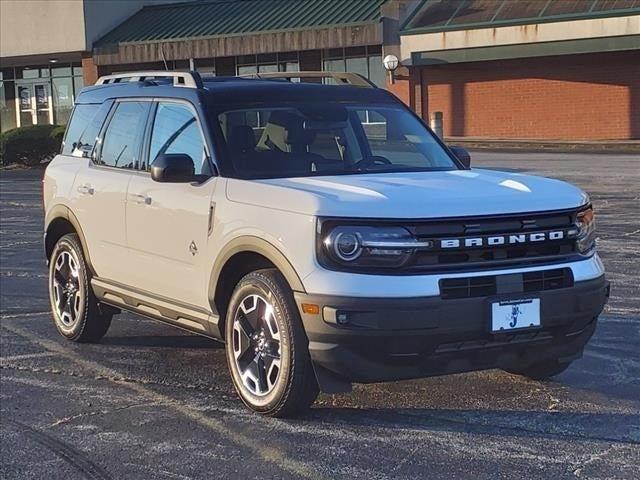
<point x="66" y="288"/>
<point x="256" y="345"/>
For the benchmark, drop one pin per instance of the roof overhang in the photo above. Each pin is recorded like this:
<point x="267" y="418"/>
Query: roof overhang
<point x="520" y="41"/>
<point x="526" y="50"/>
<point x="244" y="44"/>
<point x="41" y="59"/>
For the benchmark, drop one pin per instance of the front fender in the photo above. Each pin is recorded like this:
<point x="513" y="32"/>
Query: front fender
<point x="249" y="243"/>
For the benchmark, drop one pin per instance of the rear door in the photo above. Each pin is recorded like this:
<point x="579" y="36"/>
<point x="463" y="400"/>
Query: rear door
<point x="168" y="224"/>
<point x="100" y="190"/>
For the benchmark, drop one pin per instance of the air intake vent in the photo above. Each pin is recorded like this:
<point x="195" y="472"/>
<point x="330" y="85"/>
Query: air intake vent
<point x="469" y="287"/>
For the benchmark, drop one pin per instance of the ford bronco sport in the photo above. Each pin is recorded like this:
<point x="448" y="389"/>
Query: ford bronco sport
<point x="322" y="231"/>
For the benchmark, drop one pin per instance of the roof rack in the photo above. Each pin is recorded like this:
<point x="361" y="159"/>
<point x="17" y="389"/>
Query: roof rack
<point x="341" y="78"/>
<point x="180" y="79"/>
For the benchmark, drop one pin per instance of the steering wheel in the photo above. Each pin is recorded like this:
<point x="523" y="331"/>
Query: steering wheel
<point x="372" y="160"/>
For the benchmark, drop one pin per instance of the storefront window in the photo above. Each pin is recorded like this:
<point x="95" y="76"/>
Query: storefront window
<point x="367" y="61"/>
<point x="247" y="69"/>
<point x="62" y="99"/>
<point x="7" y="104"/>
<point x="61" y="72"/>
<point x="358" y="65"/>
<point x="30" y="73"/>
<point x="272" y="62"/>
<point x="376" y="70"/>
<point x="39" y="95"/>
<point x="267" y="68"/>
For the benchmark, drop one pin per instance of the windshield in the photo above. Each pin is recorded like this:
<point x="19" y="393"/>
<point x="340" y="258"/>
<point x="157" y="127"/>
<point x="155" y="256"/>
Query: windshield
<point x="329" y="139"/>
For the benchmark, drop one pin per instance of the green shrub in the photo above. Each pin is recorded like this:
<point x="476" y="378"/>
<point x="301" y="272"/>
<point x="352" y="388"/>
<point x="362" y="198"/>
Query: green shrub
<point x="57" y="135"/>
<point x="30" y="145"/>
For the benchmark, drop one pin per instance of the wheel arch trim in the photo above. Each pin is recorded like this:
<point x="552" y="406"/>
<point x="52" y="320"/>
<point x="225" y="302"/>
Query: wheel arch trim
<point x="64" y="212"/>
<point x="252" y="244"/>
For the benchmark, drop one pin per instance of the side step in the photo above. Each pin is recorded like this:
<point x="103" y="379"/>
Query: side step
<point x="189" y="317"/>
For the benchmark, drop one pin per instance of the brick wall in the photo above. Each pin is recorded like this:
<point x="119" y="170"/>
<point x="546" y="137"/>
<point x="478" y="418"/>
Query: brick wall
<point x="89" y="70"/>
<point x="581" y="97"/>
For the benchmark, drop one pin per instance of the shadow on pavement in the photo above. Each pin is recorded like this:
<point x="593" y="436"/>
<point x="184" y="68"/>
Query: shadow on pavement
<point x="168" y="341"/>
<point x="607" y="427"/>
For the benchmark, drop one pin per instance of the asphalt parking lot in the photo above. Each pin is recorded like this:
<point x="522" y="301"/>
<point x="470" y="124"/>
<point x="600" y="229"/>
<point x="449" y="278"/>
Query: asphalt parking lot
<point x="151" y="401"/>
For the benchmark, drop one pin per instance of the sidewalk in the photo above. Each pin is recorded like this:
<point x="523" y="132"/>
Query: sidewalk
<point x="530" y="145"/>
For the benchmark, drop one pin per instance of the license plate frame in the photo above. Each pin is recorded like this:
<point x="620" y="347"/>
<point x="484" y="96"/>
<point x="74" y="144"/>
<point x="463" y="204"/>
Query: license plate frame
<point x="515" y="314"/>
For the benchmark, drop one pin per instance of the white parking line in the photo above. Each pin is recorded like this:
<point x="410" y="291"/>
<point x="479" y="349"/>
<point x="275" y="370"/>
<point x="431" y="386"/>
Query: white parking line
<point x="13" y="358"/>
<point x="269" y="454"/>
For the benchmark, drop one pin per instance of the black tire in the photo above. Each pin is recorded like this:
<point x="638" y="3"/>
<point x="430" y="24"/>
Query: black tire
<point x="83" y="321"/>
<point x="294" y="387"/>
<point x="543" y="371"/>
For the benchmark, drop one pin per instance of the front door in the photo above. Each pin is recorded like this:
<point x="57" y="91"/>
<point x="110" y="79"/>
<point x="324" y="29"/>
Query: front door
<point x="34" y="104"/>
<point x="168" y="224"/>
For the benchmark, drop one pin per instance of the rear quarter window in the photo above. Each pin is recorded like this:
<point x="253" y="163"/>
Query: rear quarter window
<point x="83" y="129"/>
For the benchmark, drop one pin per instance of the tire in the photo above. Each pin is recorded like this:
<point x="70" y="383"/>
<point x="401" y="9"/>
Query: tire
<point x="543" y="371"/>
<point x="75" y="309"/>
<point x="268" y="353"/>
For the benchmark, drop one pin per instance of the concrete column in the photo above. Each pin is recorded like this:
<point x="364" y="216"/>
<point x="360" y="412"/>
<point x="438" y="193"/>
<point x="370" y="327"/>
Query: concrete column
<point x="436" y="124"/>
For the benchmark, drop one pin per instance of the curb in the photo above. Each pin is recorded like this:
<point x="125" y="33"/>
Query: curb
<point x="557" y="146"/>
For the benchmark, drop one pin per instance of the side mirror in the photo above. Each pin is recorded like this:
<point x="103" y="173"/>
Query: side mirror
<point x="173" y="168"/>
<point x="461" y="154"/>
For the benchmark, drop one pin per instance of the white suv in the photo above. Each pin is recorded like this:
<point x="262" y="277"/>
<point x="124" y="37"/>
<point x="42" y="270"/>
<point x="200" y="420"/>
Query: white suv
<point x="322" y="231"/>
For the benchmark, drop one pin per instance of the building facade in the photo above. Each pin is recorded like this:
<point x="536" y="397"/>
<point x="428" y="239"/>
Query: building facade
<point x="538" y="69"/>
<point x="43" y="44"/>
<point x="249" y="36"/>
<point x="497" y="69"/>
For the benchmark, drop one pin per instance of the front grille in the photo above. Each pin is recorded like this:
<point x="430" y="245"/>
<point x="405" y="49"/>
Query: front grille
<point x="547" y="280"/>
<point x="486" y="229"/>
<point x="494" y="254"/>
<point x="469" y="287"/>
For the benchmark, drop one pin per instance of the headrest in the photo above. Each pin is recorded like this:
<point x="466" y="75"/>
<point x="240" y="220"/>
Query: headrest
<point x="298" y="136"/>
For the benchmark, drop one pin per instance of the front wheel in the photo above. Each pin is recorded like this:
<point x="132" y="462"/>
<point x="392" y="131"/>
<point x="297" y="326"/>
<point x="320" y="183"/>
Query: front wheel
<point x="267" y="349"/>
<point x="75" y="309"/>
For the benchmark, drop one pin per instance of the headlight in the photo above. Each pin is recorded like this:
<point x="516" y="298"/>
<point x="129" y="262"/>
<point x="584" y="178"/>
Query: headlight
<point x="586" y="223"/>
<point x="367" y="247"/>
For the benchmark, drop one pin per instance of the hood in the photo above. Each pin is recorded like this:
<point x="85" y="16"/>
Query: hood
<point x="409" y="194"/>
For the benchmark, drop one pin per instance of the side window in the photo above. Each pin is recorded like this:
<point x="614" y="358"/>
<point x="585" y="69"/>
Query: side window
<point x="83" y="129"/>
<point x="176" y="130"/>
<point x="121" y="144"/>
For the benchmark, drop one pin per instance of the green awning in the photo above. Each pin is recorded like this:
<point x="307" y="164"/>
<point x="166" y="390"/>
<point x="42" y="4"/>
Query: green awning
<point x="528" y="50"/>
<point x="446" y="15"/>
<point x="222" y="18"/>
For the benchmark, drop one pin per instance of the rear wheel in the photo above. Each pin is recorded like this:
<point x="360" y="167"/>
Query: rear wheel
<point x="267" y="349"/>
<point x="75" y="309"/>
<point x="543" y="370"/>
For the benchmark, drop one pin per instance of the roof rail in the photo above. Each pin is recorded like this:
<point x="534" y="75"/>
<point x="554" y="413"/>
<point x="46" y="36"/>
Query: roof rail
<point x="341" y="78"/>
<point x="180" y="79"/>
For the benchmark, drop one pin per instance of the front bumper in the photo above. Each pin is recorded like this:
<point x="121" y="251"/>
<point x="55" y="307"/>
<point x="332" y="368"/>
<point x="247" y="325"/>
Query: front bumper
<point x="400" y="338"/>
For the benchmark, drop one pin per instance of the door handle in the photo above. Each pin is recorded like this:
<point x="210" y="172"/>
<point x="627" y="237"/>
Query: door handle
<point x="86" y="190"/>
<point x="140" y="198"/>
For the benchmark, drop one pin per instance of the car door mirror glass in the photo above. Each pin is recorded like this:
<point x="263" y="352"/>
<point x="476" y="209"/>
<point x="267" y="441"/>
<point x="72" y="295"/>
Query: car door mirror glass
<point x="173" y="168"/>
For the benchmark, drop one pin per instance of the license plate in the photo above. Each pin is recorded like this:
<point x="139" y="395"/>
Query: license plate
<point x="515" y="314"/>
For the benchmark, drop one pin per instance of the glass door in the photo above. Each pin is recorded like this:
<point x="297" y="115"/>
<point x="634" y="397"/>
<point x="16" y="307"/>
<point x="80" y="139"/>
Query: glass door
<point x="34" y="104"/>
<point x="42" y="101"/>
<point x="25" y="105"/>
